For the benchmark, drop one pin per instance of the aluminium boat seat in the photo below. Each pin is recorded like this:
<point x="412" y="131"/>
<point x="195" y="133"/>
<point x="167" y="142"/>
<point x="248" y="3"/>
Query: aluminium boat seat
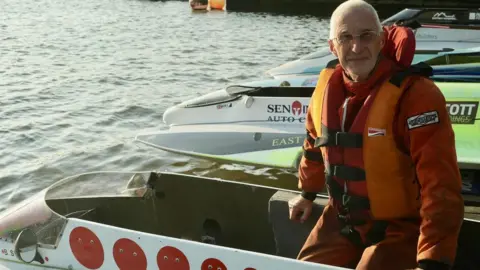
<point x="290" y="235"/>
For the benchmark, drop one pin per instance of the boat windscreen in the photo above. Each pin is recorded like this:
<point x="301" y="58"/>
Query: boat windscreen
<point x="322" y="52"/>
<point x="32" y="213"/>
<point x="209" y="99"/>
<point x="100" y="184"/>
<point x="235" y="90"/>
<point x="404" y="15"/>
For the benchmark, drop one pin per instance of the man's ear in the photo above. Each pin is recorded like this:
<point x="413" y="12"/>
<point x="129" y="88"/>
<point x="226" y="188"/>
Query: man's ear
<point x="383" y="38"/>
<point x="332" y="47"/>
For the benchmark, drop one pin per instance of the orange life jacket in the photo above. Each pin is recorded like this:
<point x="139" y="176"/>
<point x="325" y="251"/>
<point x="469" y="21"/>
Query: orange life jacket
<point x="365" y="170"/>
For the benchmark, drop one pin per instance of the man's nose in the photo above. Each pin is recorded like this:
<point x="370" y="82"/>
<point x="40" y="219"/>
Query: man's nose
<point x="357" y="46"/>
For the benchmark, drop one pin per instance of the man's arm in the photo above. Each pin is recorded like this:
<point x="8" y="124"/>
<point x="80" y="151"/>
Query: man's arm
<point x="311" y="171"/>
<point x="430" y="140"/>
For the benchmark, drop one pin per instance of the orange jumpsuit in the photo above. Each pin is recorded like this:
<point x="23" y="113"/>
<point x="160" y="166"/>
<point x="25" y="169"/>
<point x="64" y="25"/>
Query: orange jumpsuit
<point x="407" y="244"/>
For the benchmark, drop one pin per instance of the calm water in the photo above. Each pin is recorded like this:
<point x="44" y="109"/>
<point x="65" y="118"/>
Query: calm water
<point x="80" y="78"/>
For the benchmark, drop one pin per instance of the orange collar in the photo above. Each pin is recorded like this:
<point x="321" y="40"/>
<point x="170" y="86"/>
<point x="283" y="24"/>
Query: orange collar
<point x="383" y="70"/>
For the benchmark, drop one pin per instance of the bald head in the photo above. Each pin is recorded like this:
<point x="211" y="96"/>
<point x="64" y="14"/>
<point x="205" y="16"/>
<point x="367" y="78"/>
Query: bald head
<point x="356" y="38"/>
<point x="349" y="7"/>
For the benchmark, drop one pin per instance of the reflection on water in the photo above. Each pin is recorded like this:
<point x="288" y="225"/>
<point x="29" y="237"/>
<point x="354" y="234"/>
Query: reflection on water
<point x="76" y="89"/>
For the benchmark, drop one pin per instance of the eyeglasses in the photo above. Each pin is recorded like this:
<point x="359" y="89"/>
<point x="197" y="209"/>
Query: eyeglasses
<point x="365" y="37"/>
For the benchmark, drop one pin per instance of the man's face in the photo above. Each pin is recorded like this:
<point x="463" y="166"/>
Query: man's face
<point x="357" y="43"/>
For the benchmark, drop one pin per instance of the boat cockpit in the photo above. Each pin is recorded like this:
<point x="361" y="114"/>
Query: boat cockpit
<point x="212" y="211"/>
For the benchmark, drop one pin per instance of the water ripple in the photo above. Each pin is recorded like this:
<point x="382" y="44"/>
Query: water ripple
<point x="81" y="78"/>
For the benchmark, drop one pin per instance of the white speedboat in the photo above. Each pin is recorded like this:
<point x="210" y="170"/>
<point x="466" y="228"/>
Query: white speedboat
<point x="436" y="30"/>
<point x="169" y="221"/>
<point x="263" y="123"/>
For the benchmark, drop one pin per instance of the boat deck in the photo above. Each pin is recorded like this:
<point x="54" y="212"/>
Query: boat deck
<point x="472" y="212"/>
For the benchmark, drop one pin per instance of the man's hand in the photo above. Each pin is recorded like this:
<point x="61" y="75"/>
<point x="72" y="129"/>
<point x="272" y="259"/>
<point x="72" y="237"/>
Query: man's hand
<point x="300" y="206"/>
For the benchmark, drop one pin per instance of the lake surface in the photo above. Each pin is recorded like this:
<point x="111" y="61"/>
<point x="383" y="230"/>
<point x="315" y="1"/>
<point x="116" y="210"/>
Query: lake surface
<point x="79" y="79"/>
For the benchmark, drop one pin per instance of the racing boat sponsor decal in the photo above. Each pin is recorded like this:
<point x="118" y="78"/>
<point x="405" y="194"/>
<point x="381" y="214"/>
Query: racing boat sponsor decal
<point x="289" y="119"/>
<point x="294" y="112"/>
<point x="462" y="112"/>
<point x="474" y="16"/>
<point x="223" y="143"/>
<point x="424" y="119"/>
<point x="444" y="17"/>
<point x="374" y="132"/>
<point x="288" y="141"/>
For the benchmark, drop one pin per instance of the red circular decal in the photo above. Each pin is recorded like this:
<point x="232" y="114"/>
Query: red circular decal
<point x="213" y="264"/>
<point x="86" y="247"/>
<point x="296" y="107"/>
<point x="170" y="258"/>
<point x="129" y="255"/>
<point x="250" y="268"/>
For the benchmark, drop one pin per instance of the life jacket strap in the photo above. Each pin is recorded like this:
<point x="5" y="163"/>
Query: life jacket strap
<point x="309" y="138"/>
<point x="313" y="156"/>
<point x="420" y="68"/>
<point x="346" y="172"/>
<point x="347" y="201"/>
<point x="339" y="138"/>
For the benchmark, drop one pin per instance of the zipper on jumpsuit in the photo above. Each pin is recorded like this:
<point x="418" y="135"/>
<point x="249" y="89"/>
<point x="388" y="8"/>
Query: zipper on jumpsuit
<point x="344" y="116"/>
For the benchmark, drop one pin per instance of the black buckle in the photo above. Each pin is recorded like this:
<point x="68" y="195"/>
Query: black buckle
<point x="332" y="137"/>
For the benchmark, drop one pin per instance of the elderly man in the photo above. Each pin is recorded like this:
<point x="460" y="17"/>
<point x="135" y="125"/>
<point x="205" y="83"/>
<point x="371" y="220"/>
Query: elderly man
<point x="380" y="138"/>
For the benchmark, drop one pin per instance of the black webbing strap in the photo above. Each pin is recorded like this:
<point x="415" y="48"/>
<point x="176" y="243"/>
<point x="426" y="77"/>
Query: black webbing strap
<point x="338" y="138"/>
<point x="350" y="202"/>
<point x="310" y="139"/>
<point x="421" y="68"/>
<point x="313" y="156"/>
<point x="346" y="172"/>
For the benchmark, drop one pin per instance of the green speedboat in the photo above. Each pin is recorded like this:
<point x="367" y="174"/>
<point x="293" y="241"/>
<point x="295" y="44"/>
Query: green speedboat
<point x="263" y="123"/>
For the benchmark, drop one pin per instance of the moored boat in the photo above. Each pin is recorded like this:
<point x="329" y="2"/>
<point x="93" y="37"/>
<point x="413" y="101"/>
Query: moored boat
<point x="160" y="220"/>
<point x="208" y="4"/>
<point x="263" y="123"/>
<point x="436" y="30"/>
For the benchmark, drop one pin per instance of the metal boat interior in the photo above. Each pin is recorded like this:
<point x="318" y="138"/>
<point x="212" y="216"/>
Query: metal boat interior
<point x="200" y="209"/>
